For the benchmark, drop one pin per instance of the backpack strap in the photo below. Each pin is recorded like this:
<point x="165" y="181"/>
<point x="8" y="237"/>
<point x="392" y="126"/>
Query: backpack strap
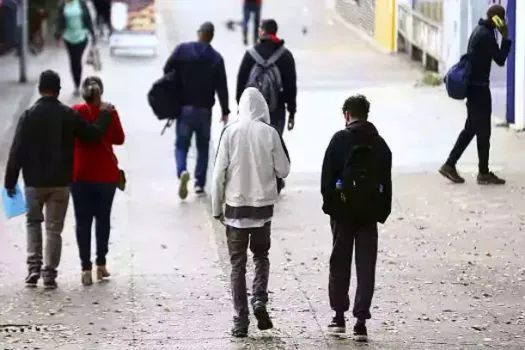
<point x="271" y="60"/>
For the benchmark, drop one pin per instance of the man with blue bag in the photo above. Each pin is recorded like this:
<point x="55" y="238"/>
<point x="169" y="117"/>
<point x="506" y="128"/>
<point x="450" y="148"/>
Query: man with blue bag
<point x="470" y="79"/>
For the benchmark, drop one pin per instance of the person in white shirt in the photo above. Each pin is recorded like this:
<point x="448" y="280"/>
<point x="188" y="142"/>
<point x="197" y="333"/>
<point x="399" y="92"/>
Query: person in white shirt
<point x="251" y="156"/>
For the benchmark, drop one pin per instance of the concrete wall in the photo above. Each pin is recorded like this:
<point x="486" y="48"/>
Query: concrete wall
<point x="359" y="13"/>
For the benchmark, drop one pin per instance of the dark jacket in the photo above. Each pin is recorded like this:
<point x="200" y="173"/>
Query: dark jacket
<point x="86" y="18"/>
<point x="43" y="144"/>
<point x="483" y="49"/>
<point x="335" y="157"/>
<point x="200" y="73"/>
<point x="286" y="65"/>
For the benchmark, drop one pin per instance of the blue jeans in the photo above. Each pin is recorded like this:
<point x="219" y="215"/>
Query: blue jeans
<point x="248" y="10"/>
<point x="12" y="31"/>
<point x="193" y="120"/>
<point x="93" y="201"/>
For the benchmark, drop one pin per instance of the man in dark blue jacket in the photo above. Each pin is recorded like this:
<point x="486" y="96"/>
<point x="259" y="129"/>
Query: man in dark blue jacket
<point x="483" y="49"/>
<point x="200" y="74"/>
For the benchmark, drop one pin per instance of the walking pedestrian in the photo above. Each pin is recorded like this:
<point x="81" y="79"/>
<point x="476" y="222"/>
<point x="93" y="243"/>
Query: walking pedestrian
<point x="248" y="191"/>
<point x="356" y="186"/>
<point x="251" y="8"/>
<point x="43" y="150"/>
<point x="483" y="49"/>
<point x="103" y="10"/>
<point x="95" y="178"/>
<point x="73" y="27"/>
<point x="270" y="67"/>
<point x="201" y="72"/>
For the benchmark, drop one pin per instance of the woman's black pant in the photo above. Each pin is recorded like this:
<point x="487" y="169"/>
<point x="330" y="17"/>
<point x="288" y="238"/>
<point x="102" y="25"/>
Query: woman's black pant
<point x="93" y="201"/>
<point x="75" y="53"/>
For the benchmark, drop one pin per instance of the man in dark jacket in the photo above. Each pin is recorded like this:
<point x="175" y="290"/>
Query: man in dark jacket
<point x="483" y="49"/>
<point x="43" y="150"/>
<point x="200" y="73"/>
<point x="270" y="43"/>
<point x="347" y="230"/>
<point x="251" y="7"/>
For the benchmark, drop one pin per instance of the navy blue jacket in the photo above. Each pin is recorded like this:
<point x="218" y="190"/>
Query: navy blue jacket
<point x="200" y="73"/>
<point x="483" y="48"/>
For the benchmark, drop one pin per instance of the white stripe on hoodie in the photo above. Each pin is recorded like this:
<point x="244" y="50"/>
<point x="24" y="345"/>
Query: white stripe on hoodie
<point x="250" y="155"/>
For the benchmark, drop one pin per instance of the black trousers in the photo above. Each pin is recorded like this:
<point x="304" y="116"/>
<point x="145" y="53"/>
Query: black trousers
<point x="479" y="112"/>
<point x="365" y="237"/>
<point x="75" y="53"/>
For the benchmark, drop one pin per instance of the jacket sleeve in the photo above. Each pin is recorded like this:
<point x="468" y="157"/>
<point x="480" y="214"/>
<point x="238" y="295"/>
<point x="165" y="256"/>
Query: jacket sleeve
<point x="14" y="163"/>
<point x="500" y="54"/>
<point x="221" y="86"/>
<point x="116" y="130"/>
<point x="281" y="157"/>
<point x="86" y="131"/>
<point x="290" y="83"/>
<point x="387" y="186"/>
<point x="222" y="161"/>
<point x="243" y="75"/>
<point x="333" y="164"/>
<point x="172" y="62"/>
<point x="88" y="22"/>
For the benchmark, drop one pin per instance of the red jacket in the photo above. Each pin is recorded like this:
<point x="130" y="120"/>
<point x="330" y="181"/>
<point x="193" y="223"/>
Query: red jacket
<point x="96" y="162"/>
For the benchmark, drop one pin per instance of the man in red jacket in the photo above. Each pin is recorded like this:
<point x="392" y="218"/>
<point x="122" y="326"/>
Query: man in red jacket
<point x="251" y="7"/>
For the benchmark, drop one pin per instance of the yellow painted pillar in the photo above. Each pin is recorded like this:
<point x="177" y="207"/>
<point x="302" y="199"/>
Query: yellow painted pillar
<point x="385" y="24"/>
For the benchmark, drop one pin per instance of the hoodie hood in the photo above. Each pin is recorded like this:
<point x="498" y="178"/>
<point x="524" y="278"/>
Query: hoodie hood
<point x="487" y="23"/>
<point x="253" y="106"/>
<point x="364" y="130"/>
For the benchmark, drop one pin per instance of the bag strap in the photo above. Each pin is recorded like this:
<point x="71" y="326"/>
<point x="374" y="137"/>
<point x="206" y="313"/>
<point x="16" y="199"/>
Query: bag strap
<point x="270" y="61"/>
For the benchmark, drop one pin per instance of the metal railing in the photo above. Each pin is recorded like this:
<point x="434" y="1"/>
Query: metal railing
<point x="419" y="31"/>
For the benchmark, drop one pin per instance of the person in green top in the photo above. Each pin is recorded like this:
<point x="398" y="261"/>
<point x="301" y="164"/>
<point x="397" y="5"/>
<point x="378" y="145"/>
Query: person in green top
<point x="74" y="26"/>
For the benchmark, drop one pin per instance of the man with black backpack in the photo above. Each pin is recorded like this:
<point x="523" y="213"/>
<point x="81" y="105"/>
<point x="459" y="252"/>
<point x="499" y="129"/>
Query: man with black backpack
<point x="356" y="186"/>
<point x="270" y="67"/>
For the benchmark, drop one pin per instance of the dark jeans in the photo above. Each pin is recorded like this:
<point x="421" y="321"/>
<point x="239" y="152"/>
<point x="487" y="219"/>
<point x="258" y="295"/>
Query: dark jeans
<point x="365" y="238"/>
<point x="248" y="10"/>
<point x="75" y="53"/>
<point x="193" y="120"/>
<point x="258" y="239"/>
<point x="103" y="10"/>
<point x="12" y="32"/>
<point x="93" y="201"/>
<point x="479" y="112"/>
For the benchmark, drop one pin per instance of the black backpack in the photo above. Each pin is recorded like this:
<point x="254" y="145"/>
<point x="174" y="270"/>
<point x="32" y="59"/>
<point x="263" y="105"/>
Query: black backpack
<point x="163" y="97"/>
<point x="362" y="189"/>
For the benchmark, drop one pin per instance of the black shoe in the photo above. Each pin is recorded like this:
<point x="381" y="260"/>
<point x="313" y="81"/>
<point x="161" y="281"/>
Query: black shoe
<point x="490" y="179"/>
<point x="360" y="333"/>
<point x="32" y="279"/>
<point x="50" y="283"/>
<point x="263" y="319"/>
<point x="338" y="325"/>
<point x="451" y="173"/>
<point x="199" y="190"/>
<point x="240" y="327"/>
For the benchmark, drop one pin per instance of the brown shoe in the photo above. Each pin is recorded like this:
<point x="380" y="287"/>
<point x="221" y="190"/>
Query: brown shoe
<point x="451" y="173"/>
<point x="102" y="273"/>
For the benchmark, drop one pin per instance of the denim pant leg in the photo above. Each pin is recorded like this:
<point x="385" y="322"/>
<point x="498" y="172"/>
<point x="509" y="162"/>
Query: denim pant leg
<point x="35" y="199"/>
<point x="260" y="246"/>
<point x="238" y="240"/>
<point x="105" y="196"/>
<point x="83" y="202"/>
<point x="183" y="134"/>
<point x="203" y="134"/>
<point x="256" y="22"/>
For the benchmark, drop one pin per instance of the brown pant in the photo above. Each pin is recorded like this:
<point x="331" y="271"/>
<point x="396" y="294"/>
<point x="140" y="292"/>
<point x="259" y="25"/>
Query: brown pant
<point x="54" y="200"/>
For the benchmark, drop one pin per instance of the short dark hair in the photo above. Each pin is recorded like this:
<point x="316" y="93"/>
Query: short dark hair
<point x="270" y="26"/>
<point x="496" y="10"/>
<point x="358" y="107"/>
<point x="49" y="82"/>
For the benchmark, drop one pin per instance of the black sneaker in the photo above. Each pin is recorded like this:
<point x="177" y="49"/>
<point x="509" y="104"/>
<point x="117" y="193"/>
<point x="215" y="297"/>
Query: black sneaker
<point x="490" y="179"/>
<point x="32" y="279"/>
<point x="451" y="173"/>
<point x="240" y="327"/>
<point x="50" y="283"/>
<point x="199" y="190"/>
<point x="360" y="333"/>
<point x="264" y="321"/>
<point x="338" y="325"/>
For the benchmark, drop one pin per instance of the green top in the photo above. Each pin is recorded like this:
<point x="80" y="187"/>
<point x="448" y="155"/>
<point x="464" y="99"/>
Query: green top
<point x="75" y="31"/>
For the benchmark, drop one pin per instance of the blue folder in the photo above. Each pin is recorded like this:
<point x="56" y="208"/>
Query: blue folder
<point x="15" y="206"/>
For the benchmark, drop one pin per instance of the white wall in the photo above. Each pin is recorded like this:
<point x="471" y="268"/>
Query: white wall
<point x="519" y="92"/>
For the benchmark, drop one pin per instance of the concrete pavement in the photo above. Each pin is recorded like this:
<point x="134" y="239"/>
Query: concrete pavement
<point x="447" y="256"/>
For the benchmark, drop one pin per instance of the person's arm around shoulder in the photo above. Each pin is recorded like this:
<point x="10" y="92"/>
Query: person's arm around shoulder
<point x="281" y="157"/>
<point x="387" y="184"/>
<point x="14" y="162"/>
<point x="222" y="161"/>
<point x="500" y="54"/>
<point x="93" y="132"/>
<point x="115" y="129"/>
